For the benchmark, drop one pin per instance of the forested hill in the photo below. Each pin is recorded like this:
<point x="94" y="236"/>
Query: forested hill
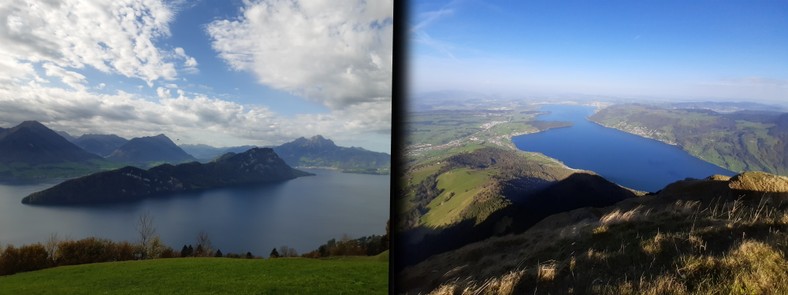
<point x="738" y="141"/>
<point x="258" y="165"/>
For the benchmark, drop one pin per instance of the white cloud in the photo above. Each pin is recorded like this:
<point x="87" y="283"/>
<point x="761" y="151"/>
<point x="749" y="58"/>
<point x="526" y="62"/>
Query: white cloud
<point x="62" y="38"/>
<point x="336" y="52"/>
<point x="73" y="79"/>
<point x="162" y="92"/>
<point x="111" y="36"/>
<point x="189" y="63"/>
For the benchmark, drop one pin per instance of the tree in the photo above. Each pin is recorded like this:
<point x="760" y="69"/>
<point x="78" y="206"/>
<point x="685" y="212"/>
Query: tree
<point x="274" y="254"/>
<point x="51" y="246"/>
<point x="285" y="251"/>
<point x="386" y="240"/>
<point x="249" y="255"/>
<point x="147" y="233"/>
<point x="204" y="243"/>
<point x="199" y="251"/>
<point x="218" y="253"/>
<point x="185" y="251"/>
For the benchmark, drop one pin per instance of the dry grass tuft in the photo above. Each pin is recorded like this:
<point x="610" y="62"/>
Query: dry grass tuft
<point x="546" y="272"/>
<point x="617" y="216"/>
<point x="757" y="268"/>
<point x="653" y="246"/>
<point x="506" y="284"/>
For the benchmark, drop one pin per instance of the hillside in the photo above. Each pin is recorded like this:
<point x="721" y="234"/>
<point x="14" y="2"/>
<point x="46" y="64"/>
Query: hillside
<point x="472" y="196"/>
<point x="31" y="151"/>
<point x="99" y="144"/>
<point x="350" y="275"/>
<point x="318" y="151"/>
<point x="150" y="150"/>
<point x="720" y="235"/>
<point x="737" y="141"/>
<point x="259" y="165"/>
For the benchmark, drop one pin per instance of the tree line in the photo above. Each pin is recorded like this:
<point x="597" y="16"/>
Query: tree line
<point x="60" y="252"/>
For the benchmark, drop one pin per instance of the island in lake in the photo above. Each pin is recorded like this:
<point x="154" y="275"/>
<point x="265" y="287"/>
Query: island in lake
<point x="257" y="165"/>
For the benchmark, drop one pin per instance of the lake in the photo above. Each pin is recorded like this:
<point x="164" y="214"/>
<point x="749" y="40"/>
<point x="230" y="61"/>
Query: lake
<point x="302" y="213"/>
<point x="627" y="159"/>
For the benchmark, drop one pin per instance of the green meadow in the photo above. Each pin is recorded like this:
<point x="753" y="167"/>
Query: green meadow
<point x="344" y="275"/>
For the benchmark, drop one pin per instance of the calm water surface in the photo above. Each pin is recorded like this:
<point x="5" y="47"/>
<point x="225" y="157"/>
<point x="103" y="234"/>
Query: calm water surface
<point x="627" y="159"/>
<point x="302" y="213"/>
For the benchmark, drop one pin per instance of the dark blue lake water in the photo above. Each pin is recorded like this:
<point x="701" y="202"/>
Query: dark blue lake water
<point x="627" y="159"/>
<point x="302" y="213"/>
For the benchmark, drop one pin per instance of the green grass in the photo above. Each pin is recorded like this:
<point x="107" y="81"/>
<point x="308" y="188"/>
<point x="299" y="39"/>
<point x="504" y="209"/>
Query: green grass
<point x="459" y="188"/>
<point x="346" y="275"/>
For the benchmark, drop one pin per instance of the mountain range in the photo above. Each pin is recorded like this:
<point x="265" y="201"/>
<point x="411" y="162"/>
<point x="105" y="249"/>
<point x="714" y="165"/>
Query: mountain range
<point x="316" y="151"/>
<point x="33" y="152"/>
<point x="257" y="165"/>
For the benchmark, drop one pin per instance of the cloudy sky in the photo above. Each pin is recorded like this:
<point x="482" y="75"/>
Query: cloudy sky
<point x="215" y="72"/>
<point x="731" y="50"/>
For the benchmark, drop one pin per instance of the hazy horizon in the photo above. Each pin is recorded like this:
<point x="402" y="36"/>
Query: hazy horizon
<point x="666" y="50"/>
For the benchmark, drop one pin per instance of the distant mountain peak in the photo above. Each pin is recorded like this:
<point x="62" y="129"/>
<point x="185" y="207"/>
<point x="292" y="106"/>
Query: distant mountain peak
<point x="158" y="148"/>
<point x="32" y="124"/>
<point x="318" y="151"/>
<point x="322" y="140"/>
<point x="317" y="141"/>
<point x="33" y="143"/>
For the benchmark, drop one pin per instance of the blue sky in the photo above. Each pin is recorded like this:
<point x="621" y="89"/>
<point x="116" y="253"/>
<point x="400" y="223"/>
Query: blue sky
<point x="726" y="50"/>
<point x="215" y="72"/>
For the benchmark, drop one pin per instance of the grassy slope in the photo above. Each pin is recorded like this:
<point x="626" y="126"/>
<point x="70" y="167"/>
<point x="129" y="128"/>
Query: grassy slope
<point x="664" y="244"/>
<point x="349" y="275"/>
<point x="459" y="188"/>
<point x="435" y="136"/>
<point x="736" y="145"/>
